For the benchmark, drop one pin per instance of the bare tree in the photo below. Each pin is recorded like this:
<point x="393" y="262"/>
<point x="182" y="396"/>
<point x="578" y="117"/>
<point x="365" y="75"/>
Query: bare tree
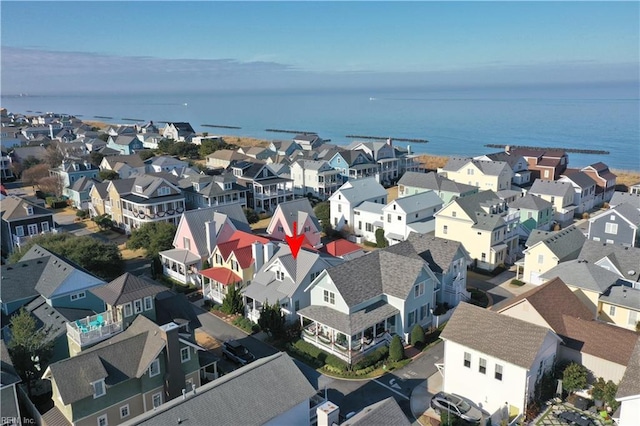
<point x="33" y="175"/>
<point x="52" y="185"/>
<point x="53" y="157"/>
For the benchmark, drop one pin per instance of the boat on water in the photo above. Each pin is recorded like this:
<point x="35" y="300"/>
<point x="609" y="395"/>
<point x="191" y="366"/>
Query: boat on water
<point x="372" y="99"/>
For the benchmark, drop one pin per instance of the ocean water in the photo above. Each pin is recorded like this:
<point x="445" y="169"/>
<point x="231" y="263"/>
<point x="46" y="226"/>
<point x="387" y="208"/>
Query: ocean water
<point x="455" y="122"/>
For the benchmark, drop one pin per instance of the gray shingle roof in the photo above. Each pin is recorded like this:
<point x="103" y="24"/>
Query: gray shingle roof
<point x="437" y="252"/>
<point x="581" y="179"/>
<point x="500" y="336"/>
<point x="384" y="413"/>
<point x="625" y="259"/>
<point x="132" y="160"/>
<point x="172" y="306"/>
<point x="125" y="356"/>
<point x="127" y="288"/>
<point x="359" y="190"/>
<point x="353" y="323"/>
<point x="369" y="207"/>
<point x="530" y="202"/>
<point x="625" y="197"/>
<point x="492" y="168"/>
<point x="435" y="182"/>
<point x="583" y="274"/>
<point x="627" y="211"/>
<point x="15" y="208"/>
<point x="19" y="285"/>
<point x="297" y="211"/>
<point x="623" y="296"/>
<point x="8" y="374"/>
<point x="630" y="383"/>
<point x="417" y="202"/>
<point x="510" y="159"/>
<point x="275" y="383"/>
<point x="565" y="244"/>
<point x="551" y="187"/>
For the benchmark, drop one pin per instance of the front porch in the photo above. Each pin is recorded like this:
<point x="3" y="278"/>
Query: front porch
<point x="181" y="265"/>
<point x="349" y="337"/>
<point x="216" y="281"/>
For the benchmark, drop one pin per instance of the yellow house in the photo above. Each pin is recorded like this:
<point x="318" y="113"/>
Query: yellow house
<point x="483" y="224"/>
<point x="484" y="174"/>
<point x="621" y="306"/>
<point x="560" y="194"/>
<point x="547" y="249"/>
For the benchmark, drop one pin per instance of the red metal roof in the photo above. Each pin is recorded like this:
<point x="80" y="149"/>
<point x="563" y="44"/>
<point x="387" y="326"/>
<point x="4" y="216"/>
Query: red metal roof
<point x="240" y="243"/>
<point x="221" y="275"/>
<point x="341" y="247"/>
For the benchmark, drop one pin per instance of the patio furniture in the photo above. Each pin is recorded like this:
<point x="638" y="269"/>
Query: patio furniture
<point x="100" y="320"/>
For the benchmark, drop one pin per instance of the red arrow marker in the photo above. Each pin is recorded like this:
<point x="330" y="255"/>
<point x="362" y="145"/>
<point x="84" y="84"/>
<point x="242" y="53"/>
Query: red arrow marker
<point x="294" y="241"/>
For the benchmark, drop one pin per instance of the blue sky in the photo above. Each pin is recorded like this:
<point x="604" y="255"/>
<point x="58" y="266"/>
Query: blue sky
<point x="79" y="46"/>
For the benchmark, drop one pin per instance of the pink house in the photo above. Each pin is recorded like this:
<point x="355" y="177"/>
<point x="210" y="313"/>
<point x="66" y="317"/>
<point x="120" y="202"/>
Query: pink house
<point x="299" y="211"/>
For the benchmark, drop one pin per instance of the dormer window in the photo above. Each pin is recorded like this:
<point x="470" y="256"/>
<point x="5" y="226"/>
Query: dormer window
<point x="98" y="388"/>
<point x="227" y="186"/>
<point x="138" y="189"/>
<point x="196" y="186"/>
<point x="279" y="275"/>
<point x="29" y="210"/>
<point x="164" y="190"/>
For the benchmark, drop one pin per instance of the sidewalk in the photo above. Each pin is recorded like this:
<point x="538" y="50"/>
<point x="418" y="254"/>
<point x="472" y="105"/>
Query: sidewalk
<point x="421" y="394"/>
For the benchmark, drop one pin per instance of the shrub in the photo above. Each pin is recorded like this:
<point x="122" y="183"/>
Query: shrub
<point x="373" y="358"/>
<point x="417" y="335"/>
<point x="381" y="241"/>
<point x="585" y="215"/>
<point x="517" y="282"/>
<point x="82" y="214"/>
<point x="574" y="377"/>
<point x="252" y="216"/>
<point x="336" y="363"/>
<point x="370" y="244"/>
<point x="396" y="350"/>
<point x="56" y="203"/>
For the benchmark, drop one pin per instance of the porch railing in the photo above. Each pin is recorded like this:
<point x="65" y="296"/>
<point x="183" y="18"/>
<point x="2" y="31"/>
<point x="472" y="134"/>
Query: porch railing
<point x="93" y="328"/>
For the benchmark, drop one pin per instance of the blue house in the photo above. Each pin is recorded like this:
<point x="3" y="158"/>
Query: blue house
<point x="125" y="144"/>
<point x="353" y="165"/>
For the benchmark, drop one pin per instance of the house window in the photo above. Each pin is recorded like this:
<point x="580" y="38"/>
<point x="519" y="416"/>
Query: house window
<point x="20" y="231"/>
<point x="297" y="305"/>
<point x="454" y="214"/>
<point x="279" y="275"/>
<point x="79" y="295"/>
<point x="484" y="257"/>
<point x="137" y="306"/>
<point x="127" y="310"/>
<point x="445" y="228"/>
<point x="33" y="229"/>
<point x="389" y="218"/>
<point x="368" y="227"/>
<point x="482" y="366"/>
<point x="329" y="297"/>
<point x="633" y="318"/>
<point x="609" y="228"/>
<point x="470" y="172"/>
<point x="467" y="359"/>
<point x="399" y="217"/>
<point x="186" y="242"/>
<point x="103" y="421"/>
<point x="45" y="226"/>
<point x="164" y="190"/>
<point x="124" y="411"/>
<point x="339" y="208"/>
<point x="546" y="173"/>
<point x="98" y="389"/>
<point x="185" y="354"/>
<point x="423" y="311"/>
<point x="412" y="317"/>
<point x="154" y="368"/>
<point x="540" y="258"/>
<point x="612" y="217"/>
<point x="418" y="290"/>
<point x="498" y="374"/>
<point x="157" y="400"/>
<point x="612" y="311"/>
<point x="148" y="303"/>
<point x="281" y="229"/>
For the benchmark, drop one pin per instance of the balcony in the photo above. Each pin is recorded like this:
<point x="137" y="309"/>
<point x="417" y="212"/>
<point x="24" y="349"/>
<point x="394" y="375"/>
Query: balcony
<point x="144" y="214"/>
<point x="93" y="329"/>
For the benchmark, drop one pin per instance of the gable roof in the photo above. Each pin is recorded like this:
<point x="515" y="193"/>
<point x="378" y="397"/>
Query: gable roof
<point x="8" y="374"/>
<point x="416" y="202"/>
<point x="125" y="356"/>
<point x="626" y="198"/>
<point x="530" y="202"/>
<point x="625" y="259"/>
<point x="127" y="288"/>
<point x="298" y="210"/>
<point x="490" y="168"/>
<point x="565" y="244"/>
<point x="506" y="157"/>
<point x="240" y="244"/>
<point x="385" y="412"/>
<point x="583" y="274"/>
<point x="510" y="339"/>
<point x="622" y="295"/>
<point x="341" y="247"/>
<point x="16" y="284"/>
<point x="132" y="160"/>
<point x="359" y="190"/>
<point x="439" y="253"/>
<point x="624" y="210"/>
<point x="581" y="179"/>
<point x="630" y="383"/>
<point x="15" y="208"/>
<point x="551" y="187"/>
<point x="435" y="182"/>
<point x="277" y="386"/>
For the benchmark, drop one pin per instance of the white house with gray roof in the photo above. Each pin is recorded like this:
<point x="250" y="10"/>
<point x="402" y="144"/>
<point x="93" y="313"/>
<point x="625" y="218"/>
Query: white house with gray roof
<point x="368" y="217"/>
<point x="349" y="196"/>
<point x="585" y="190"/>
<point x="317" y="178"/>
<point x="414" y="213"/>
<point x="519" y="165"/>
<point x="283" y="279"/>
<point x="360" y="304"/>
<point x="495" y="360"/>
<point x="412" y="183"/>
<point x="486" y="175"/>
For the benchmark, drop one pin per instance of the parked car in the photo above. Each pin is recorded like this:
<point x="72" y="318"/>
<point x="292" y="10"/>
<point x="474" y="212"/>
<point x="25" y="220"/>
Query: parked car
<point x="236" y="352"/>
<point x="456" y="405"/>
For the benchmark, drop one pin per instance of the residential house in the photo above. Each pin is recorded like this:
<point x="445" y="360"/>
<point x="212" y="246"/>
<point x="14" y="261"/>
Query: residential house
<point x="223" y="158"/>
<point x="210" y="191"/>
<point x="126" y="144"/>
<point x="547" y="249"/>
<point x="360" y="304"/>
<point x="308" y="141"/>
<point x="384" y="155"/>
<point x="414" y="183"/>
<point x="587" y="280"/>
<point x="620" y="305"/>
<point x="622" y="260"/>
<point x="122" y="129"/>
<point x="178" y="131"/>
<point x="558" y="193"/>
<point x="9" y="380"/>
<point x="280" y="395"/>
<point x="284" y="148"/>
<point x="351" y="195"/>
<point x="535" y="213"/>
<point x="407" y="161"/>
<point x="235" y="260"/>
<point x="483" y="223"/>
<point x="283" y="279"/>
<point x="138" y="200"/>
<point x="133" y="372"/>
<point x="22" y="220"/>
<point x="295" y="217"/>
<point x="518" y="164"/>
<point x="317" y="178"/>
<point x="414" y="213"/>
<point x="344" y="249"/>
<point x="603" y="349"/>
<point x="70" y="171"/>
<point x="149" y="140"/>
<point x="196" y="237"/>
<point x="628" y="393"/>
<point x="605" y="181"/>
<point x="632" y="199"/>
<point x="125" y="165"/>
<point x="78" y="192"/>
<point x="368" y="217"/>
<point x="486" y="175"/>
<point x="584" y="190"/>
<point x="99" y="199"/>
<point x="635" y="189"/>
<point x="256" y="152"/>
<point x="618" y="225"/>
<point x="547" y="164"/>
<point x="353" y="164"/>
<point x="165" y="163"/>
<point x="266" y="189"/>
<point x="448" y="260"/>
<point x="495" y="360"/>
<point x="6" y="168"/>
<point x="385" y="412"/>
